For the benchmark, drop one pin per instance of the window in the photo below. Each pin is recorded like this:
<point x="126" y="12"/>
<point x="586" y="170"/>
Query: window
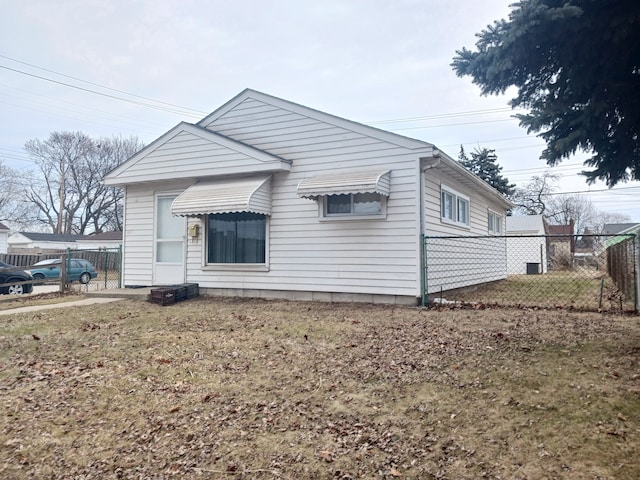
<point x="454" y="207"/>
<point x="353" y="204"/>
<point x="236" y="238"/>
<point x="495" y="222"/>
<point x="169" y="233"/>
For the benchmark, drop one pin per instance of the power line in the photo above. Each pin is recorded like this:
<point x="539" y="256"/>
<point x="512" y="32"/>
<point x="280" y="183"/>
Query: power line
<point x="103" y="86"/>
<point x="442" y="115"/>
<point x="134" y="102"/>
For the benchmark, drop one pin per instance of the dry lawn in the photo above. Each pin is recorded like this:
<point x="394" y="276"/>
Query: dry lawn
<point x="9" y="302"/>
<point x="579" y="290"/>
<point x="222" y="388"/>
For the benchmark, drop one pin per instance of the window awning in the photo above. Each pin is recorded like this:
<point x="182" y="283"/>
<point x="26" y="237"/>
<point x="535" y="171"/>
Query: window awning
<point x="225" y="196"/>
<point x="344" y="183"/>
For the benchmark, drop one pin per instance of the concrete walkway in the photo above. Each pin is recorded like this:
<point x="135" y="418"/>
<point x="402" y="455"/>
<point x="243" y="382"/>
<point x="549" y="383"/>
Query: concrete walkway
<point x="76" y="303"/>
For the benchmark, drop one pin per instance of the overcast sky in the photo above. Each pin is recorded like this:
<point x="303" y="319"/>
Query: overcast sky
<point x="384" y="63"/>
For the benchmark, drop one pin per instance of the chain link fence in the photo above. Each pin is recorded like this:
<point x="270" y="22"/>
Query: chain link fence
<point x="107" y="262"/>
<point x="582" y="272"/>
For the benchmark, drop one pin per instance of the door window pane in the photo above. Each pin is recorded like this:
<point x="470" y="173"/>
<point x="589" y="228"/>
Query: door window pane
<point x="169" y="252"/>
<point x="169" y="226"/>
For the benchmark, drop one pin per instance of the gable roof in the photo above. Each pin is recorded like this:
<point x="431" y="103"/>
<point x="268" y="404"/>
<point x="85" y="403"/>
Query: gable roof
<point x="526" y="223"/>
<point x="354" y="126"/>
<point x="144" y="166"/>
<point x="117" y="235"/>
<point x="50" y="237"/>
<point x="612" y="228"/>
<point x="158" y="161"/>
<point x="4" y="227"/>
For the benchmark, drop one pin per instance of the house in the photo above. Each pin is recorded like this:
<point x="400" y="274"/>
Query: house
<point x="41" y="241"/>
<point x="561" y="245"/>
<point x="268" y="198"/>
<point x="4" y="236"/>
<point x="96" y="241"/>
<point x="613" y="228"/>
<point x="526" y="255"/>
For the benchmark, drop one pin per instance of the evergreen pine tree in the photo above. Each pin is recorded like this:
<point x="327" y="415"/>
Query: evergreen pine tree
<point x="484" y="163"/>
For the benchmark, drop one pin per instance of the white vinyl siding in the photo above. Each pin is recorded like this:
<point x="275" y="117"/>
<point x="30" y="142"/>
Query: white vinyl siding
<point x="191" y="153"/>
<point x="460" y="262"/>
<point x="374" y="256"/>
<point x="306" y="252"/>
<point x="360" y="205"/>
<point x="528" y="249"/>
<point x="4" y="241"/>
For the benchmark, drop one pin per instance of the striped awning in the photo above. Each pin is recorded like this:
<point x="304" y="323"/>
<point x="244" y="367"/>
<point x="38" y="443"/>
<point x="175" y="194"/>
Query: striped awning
<point x="225" y="196"/>
<point x="340" y="183"/>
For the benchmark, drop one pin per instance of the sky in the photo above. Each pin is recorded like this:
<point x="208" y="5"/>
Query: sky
<point x="139" y="67"/>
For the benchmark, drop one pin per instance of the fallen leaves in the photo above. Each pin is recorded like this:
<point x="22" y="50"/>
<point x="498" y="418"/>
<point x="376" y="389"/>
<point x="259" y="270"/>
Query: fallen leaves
<point x="244" y="389"/>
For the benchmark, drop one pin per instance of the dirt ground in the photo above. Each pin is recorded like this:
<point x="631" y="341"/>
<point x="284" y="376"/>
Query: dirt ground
<point x="223" y="388"/>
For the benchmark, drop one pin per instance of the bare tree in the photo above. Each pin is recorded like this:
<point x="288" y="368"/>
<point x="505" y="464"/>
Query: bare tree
<point x="564" y="208"/>
<point x="534" y="197"/>
<point x="15" y="211"/>
<point x="539" y="197"/>
<point x="603" y="218"/>
<point x="70" y="195"/>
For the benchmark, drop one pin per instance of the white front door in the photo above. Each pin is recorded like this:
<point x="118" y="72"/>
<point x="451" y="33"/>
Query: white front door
<point x="169" y="248"/>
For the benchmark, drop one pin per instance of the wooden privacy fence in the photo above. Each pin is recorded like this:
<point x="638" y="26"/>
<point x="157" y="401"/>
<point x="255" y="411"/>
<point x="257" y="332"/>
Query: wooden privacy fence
<point x="622" y="263"/>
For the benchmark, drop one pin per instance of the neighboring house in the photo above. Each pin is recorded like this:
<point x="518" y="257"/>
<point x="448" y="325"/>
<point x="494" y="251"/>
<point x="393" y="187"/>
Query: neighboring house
<point x="561" y="245"/>
<point x="526" y="255"/>
<point x="268" y="198"/>
<point x="587" y="248"/>
<point x="41" y="241"/>
<point x="95" y="241"/>
<point x="4" y="236"/>
<point x="613" y="228"/>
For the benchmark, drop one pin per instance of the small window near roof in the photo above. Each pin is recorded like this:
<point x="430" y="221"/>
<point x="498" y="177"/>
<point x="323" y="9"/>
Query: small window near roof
<point x="495" y="222"/>
<point x="454" y="207"/>
<point x="354" y="205"/>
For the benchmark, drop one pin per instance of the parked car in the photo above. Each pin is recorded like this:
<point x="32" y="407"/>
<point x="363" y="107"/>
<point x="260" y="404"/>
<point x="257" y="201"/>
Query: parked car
<point x="78" y="270"/>
<point x="11" y="273"/>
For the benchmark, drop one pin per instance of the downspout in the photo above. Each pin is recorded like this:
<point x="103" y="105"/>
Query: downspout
<point x="429" y="163"/>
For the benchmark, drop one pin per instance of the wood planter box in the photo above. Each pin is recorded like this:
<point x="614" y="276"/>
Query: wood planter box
<point x="163" y="296"/>
<point x="174" y="293"/>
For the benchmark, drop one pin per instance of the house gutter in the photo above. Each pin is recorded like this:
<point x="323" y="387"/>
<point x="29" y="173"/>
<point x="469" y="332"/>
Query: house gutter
<point x="481" y="184"/>
<point x="425" y="163"/>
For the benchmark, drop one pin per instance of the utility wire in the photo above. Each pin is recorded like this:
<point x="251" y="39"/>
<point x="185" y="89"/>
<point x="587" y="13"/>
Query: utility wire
<point x="103" y="86"/>
<point x="148" y="105"/>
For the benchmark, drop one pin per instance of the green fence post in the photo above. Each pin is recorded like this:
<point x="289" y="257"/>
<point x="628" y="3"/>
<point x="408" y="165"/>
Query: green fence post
<point x="119" y="266"/>
<point x="636" y="272"/>
<point x="106" y="267"/>
<point x="67" y="268"/>
<point x="423" y="260"/>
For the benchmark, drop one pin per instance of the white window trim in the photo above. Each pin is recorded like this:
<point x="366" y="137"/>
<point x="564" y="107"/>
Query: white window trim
<point x="324" y="217"/>
<point x="456" y="195"/>
<point x="238" y="267"/>
<point x="490" y="226"/>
